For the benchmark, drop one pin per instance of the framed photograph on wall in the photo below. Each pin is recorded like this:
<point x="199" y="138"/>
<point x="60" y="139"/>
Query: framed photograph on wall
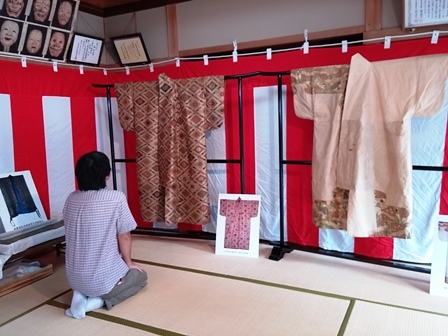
<point x="131" y="50"/>
<point x="85" y="49"/>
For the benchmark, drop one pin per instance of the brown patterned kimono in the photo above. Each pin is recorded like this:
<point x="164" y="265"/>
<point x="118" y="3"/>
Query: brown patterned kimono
<point x="170" y="118"/>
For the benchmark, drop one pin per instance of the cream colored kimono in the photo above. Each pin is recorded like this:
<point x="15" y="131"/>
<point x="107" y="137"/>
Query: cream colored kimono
<point x="370" y="154"/>
<point x="319" y="96"/>
<point x="374" y="156"/>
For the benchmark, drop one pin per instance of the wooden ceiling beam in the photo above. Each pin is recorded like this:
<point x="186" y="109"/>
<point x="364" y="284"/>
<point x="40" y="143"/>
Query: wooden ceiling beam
<point x="118" y="7"/>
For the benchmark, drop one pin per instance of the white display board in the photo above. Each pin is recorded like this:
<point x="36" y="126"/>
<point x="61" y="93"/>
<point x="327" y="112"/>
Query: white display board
<point x="439" y="266"/>
<point x="238" y="225"/>
<point x="420" y="13"/>
<point x="20" y="205"/>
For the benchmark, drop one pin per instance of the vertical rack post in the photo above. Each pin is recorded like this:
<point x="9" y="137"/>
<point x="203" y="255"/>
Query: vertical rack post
<point x="240" y="111"/>
<point x="278" y="252"/>
<point x="111" y="132"/>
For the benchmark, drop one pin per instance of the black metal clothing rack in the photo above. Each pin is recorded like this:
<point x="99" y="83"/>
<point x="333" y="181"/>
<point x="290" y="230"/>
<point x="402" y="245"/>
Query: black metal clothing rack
<point x="280" y="247"/>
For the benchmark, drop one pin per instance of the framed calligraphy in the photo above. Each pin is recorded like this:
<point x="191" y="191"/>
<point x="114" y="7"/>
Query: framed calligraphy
<point x="131" y="50"/>
<point x="421" y="13"/>
<point x="86" y="49"/>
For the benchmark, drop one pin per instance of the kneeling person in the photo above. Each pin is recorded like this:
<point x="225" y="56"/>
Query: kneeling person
<point x="97" y="223"/>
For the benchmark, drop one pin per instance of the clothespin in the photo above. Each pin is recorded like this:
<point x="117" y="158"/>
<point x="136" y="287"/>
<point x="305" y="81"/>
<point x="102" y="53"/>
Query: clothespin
<point x="105" y="72"/>
<point x="81" y="69"/>
<point x="344" y="46"/>
<point x="205" y="59"/>
<point x="235" y="51"/>
<point x="306" y="44"/>
<point x="151" y="67"/>
<point x="435" y="36"/>
<point x="127" y="70"/>
<point x="23" y="62"/>
<point x="177" y="61"/>
<point x="55" y="66"/>
<point x="269" y="53"/>
<point x="387" y="40"/>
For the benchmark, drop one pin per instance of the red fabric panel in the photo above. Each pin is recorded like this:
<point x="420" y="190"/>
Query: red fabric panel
<point x="231" y="120"/>
<point x="249" y="137"/>
<point x="382" y="248"/>
<point x="131" y="180"/>
<point x="444" y="191"/>
<point x="299" y="140"/>
<point x="83" y="122"/>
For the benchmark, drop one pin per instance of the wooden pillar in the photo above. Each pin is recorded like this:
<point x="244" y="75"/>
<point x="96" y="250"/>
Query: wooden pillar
<point x="171" y="22"/>
<point x="372" y="15"/>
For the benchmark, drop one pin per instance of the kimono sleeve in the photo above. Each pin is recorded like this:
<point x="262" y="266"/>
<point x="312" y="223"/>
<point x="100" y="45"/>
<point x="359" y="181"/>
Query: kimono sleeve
<point x="214" y="100"/>
<point x="430" y="84"/>
<point x="318" y="88"/>
<point x="224" y="207"/>
<point x="125" y="99"/>
<point x="303" y="97"/>
<point x="253" y="208"/>
<point x="413" y="86"/>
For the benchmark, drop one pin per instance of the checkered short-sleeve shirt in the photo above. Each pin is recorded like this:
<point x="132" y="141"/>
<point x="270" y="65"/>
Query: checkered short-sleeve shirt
<point x="92" y="220"/>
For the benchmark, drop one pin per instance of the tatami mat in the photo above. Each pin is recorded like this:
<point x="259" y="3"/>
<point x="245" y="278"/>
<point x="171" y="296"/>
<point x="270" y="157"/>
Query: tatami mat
<point x="203" y="305"/>
<point x="29" y="297"/>
<point x="369" y="319"/>
<point x="301" y="269"/>
<point x="192" y="291"/>
<point x="51" y="321"/>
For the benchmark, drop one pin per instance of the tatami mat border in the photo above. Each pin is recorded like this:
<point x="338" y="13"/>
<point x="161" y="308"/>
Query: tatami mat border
<point x="121" y="321"/>
<point x="164" y="332"/>
<point x="34" y="308"/>
<point x="273" y="284"/>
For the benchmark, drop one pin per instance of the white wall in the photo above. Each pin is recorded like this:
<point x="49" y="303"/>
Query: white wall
<point x="208" y="23"/>
<point x="91" y="25"/>
<point x="205" y="23"/>
<point x="150" y="23"/>
<point x="391" y="13"/>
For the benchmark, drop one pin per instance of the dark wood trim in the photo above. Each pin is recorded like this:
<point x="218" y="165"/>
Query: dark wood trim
<point x="398" y="31"/>
<point x="274" y="42"/>
<point x="126" y="8"/>
<point x="171" y="25"/>
<point x="372" y="15"/>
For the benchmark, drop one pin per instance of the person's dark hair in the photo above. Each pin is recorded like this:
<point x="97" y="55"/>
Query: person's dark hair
<point x="91" y="171"/>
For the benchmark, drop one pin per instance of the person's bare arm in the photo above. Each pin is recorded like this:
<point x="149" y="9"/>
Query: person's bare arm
<point x="125" y="245"/>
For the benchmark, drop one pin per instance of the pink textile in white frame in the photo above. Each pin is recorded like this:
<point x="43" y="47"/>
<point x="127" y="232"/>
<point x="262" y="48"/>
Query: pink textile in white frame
<point x="238" y="225"/>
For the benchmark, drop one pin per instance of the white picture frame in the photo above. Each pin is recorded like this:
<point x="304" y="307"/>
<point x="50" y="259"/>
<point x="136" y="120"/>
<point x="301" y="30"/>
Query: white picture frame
<point x="439" y="265"/>
<point x="422" y="13"/>
<point x="238" y="225"/>
<point x="86" y="49"/>
<point x="12" y="220"/>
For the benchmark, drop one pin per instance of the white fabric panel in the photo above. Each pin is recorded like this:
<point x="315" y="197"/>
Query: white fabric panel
<point x="103" y="139"/>
<point x="59" y="148"/>
<point x="6" y="140"/>
<point x="267" y="158"/>
<point x="217" y="174"/>
<point x="428" y="144"/>
<point x="336" y="240"/>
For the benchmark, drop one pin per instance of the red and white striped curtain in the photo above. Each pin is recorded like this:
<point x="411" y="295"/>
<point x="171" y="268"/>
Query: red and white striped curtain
<point x="48" y="119"/>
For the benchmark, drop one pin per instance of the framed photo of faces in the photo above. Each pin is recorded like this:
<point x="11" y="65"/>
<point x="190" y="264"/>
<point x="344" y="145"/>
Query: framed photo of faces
<point x="37" y="28"/>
